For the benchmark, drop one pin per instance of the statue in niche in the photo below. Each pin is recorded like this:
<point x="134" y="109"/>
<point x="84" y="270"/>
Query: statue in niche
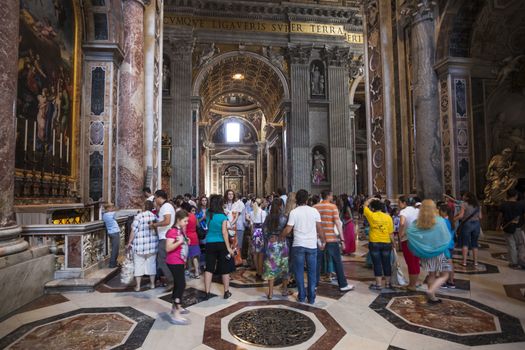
<point x="316" y="80"/>
<point x="208" y="53"/>
<point x="276" y="59"/>
<point x="319" y="167"/>
<point x="166" y="78"/>
<point x="500" y="177"/>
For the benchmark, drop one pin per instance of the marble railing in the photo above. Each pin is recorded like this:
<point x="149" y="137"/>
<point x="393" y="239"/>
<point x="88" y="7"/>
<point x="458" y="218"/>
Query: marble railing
<point x="79" y="248"/>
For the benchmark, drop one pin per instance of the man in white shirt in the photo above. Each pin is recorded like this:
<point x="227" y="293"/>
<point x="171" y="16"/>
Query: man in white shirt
<point x="240" y="208"/>
<point x="407" y="216"/>
<point x="166" y="219"/>
<point x="305" y="222"/>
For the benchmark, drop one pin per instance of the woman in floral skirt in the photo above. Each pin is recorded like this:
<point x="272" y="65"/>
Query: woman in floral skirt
<point x="276" y="259"/>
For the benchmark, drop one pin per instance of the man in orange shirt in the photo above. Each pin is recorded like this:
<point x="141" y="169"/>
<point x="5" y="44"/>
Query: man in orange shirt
<point x="329" y="220"/>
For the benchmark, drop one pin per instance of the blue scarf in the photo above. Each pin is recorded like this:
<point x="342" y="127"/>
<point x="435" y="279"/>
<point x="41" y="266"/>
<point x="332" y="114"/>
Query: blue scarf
<point x="431" y="242"/>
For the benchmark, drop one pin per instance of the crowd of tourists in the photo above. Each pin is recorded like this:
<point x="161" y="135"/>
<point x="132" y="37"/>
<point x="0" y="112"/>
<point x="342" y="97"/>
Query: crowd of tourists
<point x="285" y="236"/>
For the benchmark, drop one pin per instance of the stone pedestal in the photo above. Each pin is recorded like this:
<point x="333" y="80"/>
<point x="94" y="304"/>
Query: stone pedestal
<point x="130" y="158"/>
<point x="10" y="241"/>
<point x="426" y="105"/>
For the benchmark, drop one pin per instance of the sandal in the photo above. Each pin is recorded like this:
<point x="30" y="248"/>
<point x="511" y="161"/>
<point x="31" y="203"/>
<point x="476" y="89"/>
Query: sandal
<point x="136" y="289"/>
<point x="375" y="287"/>
<point x="269" y="297"/>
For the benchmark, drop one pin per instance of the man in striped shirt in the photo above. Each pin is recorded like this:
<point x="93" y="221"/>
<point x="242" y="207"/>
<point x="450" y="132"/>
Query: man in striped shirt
<point x="329" y="220"/>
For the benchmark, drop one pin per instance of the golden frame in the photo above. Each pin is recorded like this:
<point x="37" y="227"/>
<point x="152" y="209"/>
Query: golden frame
<point x="75" y="109"/>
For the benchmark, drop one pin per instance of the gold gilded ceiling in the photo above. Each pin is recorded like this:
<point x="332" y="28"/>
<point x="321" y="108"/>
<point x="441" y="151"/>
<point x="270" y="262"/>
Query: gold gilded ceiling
<point x="259" y="82"/>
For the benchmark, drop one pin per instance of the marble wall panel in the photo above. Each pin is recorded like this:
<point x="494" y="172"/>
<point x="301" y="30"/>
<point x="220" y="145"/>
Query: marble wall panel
<point x="25" y="281"/>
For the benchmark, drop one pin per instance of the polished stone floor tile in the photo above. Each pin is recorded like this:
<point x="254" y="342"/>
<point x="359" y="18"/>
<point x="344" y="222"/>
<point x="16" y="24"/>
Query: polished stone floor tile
<point x="455" y="319"/>
<point x="93" y="328"/>
<point x="190" y="297"/>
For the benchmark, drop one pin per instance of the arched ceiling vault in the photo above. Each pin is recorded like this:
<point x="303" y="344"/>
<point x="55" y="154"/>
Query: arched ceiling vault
<point x="260" y="83"/>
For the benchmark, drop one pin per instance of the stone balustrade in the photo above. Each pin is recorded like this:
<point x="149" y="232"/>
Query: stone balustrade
<point x="79" y="248"/>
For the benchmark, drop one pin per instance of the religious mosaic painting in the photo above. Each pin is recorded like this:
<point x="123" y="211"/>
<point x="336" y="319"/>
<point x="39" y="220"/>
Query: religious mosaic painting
<point x="46" y="85"/>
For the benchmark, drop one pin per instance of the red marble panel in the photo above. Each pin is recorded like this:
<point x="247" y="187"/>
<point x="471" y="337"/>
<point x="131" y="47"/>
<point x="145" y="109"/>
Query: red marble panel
<point x="450" y="316"/>
<point x="74" y="251"/>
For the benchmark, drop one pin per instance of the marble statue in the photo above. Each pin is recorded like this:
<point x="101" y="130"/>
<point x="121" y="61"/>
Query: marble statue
<point x="500" y="177"/>
<point x="316" y="81"/>
<point x="276" y="59"/>
<point x="509" y="65"/>
<point x="208" y="53"/>
<point x="319" y="168"/>
<point x="166" y="78"/>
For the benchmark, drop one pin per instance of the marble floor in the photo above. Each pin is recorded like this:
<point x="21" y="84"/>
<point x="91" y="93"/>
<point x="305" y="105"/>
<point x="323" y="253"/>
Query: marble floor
<point x="486" y="311"/>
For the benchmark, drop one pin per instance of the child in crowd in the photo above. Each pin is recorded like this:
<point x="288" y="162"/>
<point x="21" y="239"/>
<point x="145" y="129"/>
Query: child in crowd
<point x="443" y="212"/>
<point x="177" y="253"/>
<point x="396" y="219"/>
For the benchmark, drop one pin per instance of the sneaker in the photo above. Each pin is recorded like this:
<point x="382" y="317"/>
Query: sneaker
<point x="349" y="287"/>
<point x="179" y="321"/>
<point x="184" y="311"/>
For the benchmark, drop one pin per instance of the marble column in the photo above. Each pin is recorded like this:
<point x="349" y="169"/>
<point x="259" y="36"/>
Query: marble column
<point x="297" y="132"/>
<point x="153" y="92"/>
<point x="130" y="149"/>
<point x="10" y="240"/>
<point x="425" y="100"/>
<point x="261" y="146"/>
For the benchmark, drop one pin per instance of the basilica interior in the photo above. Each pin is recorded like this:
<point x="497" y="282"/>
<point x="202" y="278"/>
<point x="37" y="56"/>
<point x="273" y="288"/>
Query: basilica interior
<point x="103" y="98"/>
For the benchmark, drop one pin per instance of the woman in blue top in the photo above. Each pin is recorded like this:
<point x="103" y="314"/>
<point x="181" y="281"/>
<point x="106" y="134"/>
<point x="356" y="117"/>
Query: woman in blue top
<point x="219" y="254"/>
<point x="429" y="239"/>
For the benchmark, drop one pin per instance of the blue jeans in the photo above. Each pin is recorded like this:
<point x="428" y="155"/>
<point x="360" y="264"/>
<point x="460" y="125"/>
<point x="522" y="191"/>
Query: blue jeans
<point x="300" y="255"/>
<point x="380" y="254"/>
<point x="333" y="253"/>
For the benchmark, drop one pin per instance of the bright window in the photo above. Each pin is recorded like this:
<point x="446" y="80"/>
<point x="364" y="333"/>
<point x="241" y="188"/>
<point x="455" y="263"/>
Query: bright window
<point x="233" y="132"/>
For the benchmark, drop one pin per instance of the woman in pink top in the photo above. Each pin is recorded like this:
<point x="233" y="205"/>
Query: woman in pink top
<point x="191" y="231"/>
<point x="177" y="253"/>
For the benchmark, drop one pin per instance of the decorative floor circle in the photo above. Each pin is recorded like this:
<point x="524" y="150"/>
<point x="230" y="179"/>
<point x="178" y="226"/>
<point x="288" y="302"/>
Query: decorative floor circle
<point x="272" y="327"/>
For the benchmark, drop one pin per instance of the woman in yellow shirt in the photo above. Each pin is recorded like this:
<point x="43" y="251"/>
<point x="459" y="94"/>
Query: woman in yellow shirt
<point x="380" y="241"/>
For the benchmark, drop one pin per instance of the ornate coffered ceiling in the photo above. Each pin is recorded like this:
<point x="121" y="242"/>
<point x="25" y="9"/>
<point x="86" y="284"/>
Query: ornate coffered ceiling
<point x="260" y="86"/>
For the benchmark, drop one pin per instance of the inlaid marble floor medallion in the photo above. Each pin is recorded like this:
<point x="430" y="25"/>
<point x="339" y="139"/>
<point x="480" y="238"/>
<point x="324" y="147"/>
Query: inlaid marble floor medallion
<point x="272" y="327"/>
<point x="93" y="328"/>
<point x="272" y="323"/>
<point x="454" y="319"/>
